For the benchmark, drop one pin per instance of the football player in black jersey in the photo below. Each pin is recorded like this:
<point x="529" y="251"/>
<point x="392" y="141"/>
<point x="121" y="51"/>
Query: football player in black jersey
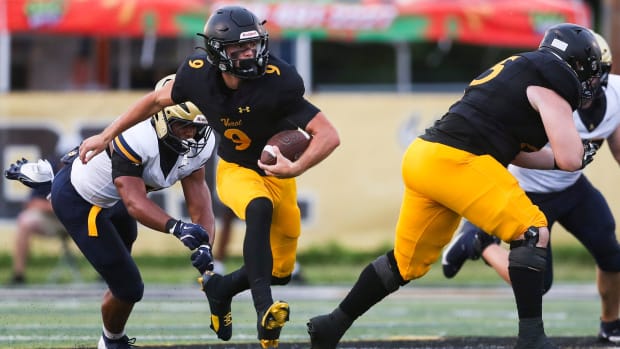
<point x="247" y="95"/>
<point x="457" y="168"/>
<point x="570" y="199"/>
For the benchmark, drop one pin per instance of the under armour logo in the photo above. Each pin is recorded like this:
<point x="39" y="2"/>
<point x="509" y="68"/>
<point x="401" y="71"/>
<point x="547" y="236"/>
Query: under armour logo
<point x="245" y="109"/>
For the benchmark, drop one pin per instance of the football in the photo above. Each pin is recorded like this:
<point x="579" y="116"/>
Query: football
<point x="292" y="143"/>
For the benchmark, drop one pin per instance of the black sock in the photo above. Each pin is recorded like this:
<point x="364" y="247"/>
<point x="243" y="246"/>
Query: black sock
<point x="233" y="283"/>
<point x="486" y="240"/>
<point x="257" y="257"/>
<point x="527" y="285"/>
<point x="367" y="291"/>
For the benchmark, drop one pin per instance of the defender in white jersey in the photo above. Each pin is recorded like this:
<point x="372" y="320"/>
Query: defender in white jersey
<point x="569" y="199"/>
<point x="100" y="203"/>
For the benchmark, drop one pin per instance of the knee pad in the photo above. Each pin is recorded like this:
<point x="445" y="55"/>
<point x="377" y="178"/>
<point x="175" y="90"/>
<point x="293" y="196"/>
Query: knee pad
<point x="280" y="281"/>
<point x="528" y="258"/>
<point x="525" y="255"/>
<point x="387" y="270"/>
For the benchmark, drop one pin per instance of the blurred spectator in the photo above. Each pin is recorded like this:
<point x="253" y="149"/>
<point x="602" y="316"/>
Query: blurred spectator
<point x="37" y="217"/>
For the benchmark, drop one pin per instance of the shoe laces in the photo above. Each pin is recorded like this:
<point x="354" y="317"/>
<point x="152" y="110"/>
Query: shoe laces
<point x="131" y="341"/>
<point x="127" y="340"/>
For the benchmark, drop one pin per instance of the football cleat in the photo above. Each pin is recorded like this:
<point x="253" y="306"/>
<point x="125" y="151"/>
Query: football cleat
<point x="467" y="244"/>
<point x="610" y="332"/>
<point x="122" y="343"/>
<point x="270" y="324"/>
<point x="532" y="335"/>
<point x="326" y="330"/>
<point x="221" y="313"/>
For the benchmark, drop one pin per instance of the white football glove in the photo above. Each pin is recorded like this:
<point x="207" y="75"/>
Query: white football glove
<point x="31" y="174"/>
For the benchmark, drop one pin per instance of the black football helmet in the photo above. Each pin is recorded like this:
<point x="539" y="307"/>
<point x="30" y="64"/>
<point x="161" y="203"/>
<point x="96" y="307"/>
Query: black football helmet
<point x="235" y="25"/>
<point x="577" y="46"/>
<point x="184" y="114"/>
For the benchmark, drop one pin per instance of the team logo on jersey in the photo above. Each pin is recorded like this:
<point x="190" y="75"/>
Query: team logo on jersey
<point x="245" y="109"/>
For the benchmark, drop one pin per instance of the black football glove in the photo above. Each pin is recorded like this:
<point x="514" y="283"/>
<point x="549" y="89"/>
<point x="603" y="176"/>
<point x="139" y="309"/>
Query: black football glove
<point x="32" y="175"/>
<point x="589" y="150"/>
<point x="191" y="235"/>
<point x="202" y="258"/>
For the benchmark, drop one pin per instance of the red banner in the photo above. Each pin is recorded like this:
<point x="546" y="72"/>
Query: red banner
<point x="489" y="22"/>
<point x="104" y="17"/>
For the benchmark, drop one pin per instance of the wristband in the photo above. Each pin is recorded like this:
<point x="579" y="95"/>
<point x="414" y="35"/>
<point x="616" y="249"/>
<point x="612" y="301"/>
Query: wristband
<point x="169" y="228"/>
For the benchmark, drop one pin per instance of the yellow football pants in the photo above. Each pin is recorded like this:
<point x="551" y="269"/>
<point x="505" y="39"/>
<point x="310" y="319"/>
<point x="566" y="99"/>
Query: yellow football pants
<point x="443" y="184"/>
<point x="237" y="186"/>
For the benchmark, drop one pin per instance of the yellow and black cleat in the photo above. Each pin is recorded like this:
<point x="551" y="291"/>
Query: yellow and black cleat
<point x="221" y="314"/>
<point x="271" y="324"/>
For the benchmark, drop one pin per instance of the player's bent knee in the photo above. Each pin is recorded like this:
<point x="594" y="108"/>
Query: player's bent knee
<point x="280" y="281"/>
<point x="386" y="268"/>
<point x="259" y="207"/>
<point x="610" y="264"/>
<point x="132" y="294"/>
<point x="527" y="257"/>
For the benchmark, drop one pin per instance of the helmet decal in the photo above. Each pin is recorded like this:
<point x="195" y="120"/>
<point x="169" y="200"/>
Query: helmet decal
<point x="248" y="35"/>
<point x="559" y="44"/>
<point x="200" y="119"/>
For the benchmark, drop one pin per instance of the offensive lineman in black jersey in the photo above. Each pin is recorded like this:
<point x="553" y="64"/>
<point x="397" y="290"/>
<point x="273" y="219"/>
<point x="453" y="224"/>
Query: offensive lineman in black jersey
<point x="247" y="95"/>
<point x="458" y="168"/>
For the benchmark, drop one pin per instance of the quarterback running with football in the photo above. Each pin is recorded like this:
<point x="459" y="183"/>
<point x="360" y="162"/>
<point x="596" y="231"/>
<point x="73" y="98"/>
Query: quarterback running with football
<point x="247" y="95"/>
<point x="100" y="203"/>
<point x="457" y="168"/>
<point x="571" y="200"/>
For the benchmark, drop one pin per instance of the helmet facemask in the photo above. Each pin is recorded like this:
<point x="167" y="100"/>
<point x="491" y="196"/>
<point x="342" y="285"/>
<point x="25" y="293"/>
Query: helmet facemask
<point x="246" y="67"/>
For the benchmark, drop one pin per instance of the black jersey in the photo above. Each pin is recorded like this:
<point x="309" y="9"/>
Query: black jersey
<point x="247" y="117"/>
<point x="495" y="117"/>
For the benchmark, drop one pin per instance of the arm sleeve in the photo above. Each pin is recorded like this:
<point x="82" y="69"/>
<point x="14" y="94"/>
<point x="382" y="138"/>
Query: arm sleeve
<point x="121" y="166"/>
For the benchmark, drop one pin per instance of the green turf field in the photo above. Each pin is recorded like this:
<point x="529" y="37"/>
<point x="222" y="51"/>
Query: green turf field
<point x="476" y="305"/>
<point x="68" y="316"/>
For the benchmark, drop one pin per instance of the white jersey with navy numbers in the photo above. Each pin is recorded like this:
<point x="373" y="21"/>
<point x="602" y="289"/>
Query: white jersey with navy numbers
<point x="548" y="181"/>
<point x="139" y="144"/>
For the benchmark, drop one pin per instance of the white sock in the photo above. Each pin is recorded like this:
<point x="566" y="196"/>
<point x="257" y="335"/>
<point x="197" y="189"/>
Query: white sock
<point x="111" y="335"/>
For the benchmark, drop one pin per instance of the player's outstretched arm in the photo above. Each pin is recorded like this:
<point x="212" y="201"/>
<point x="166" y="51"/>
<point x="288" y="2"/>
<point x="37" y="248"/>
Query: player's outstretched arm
<point x="148" y="105"/>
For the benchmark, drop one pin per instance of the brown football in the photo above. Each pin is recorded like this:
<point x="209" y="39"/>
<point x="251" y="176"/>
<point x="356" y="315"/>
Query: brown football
<point x="292" y="143"/>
